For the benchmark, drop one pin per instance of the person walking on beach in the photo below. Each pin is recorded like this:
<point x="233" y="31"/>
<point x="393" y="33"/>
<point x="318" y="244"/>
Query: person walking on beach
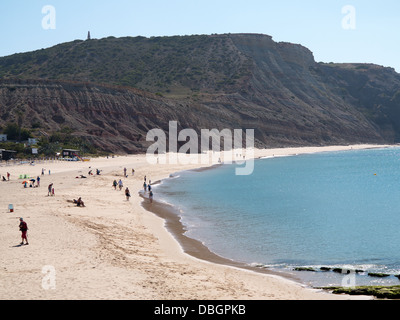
<point x="23" y="227"/>
<point x="127" y="194"/>
<point x="151" y="196"/>
<point x="133" y="172"/>
<point x="120" y="184"/>
<point x="50" y="189"/>
<point x="38" y="181"/>
<point x="144" y="186"/>
<point x="125" y="173"/>
<point x="149" y="187"/>
<point x="8" y="176"/>
<point x="115" y="184"/>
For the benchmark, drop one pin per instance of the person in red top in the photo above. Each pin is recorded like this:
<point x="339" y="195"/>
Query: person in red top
<point x="23" y="227"/>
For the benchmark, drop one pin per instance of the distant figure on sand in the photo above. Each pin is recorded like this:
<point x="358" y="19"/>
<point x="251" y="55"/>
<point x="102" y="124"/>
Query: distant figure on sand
<point x="115" y="184"/>
<point x="79" y="202"/>
<point x="50" y="189"/>
<point x="125" y="173"/>
<point x="149" y="187"/>
<point x="23" y="227"/>
<point x="120" y="184"/>
<point x="127" y="194"/>
<point x="144" y="186"/>
<point x="8" y="176"/>
<point x="151" y="196"/>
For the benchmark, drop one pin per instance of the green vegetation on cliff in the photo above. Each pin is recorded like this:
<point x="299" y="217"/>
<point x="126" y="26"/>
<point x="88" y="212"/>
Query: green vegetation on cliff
<point x="171" y="65"/>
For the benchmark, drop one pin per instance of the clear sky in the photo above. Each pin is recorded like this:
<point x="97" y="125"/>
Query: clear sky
<point x="334" y="30"/>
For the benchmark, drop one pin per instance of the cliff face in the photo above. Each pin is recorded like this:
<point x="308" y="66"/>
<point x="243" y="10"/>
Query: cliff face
<point x="242" y="81"/>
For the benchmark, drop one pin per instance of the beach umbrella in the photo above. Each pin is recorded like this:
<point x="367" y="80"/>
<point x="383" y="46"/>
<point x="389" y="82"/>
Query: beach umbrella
<point x="24" y="182"/>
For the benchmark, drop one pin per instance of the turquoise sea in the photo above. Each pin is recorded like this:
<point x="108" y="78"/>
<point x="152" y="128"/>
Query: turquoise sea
<point x="332" y="209"/>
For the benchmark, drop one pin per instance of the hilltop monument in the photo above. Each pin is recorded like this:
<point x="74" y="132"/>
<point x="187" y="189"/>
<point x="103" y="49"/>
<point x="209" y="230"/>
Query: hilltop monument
<point x="88" y="36"/>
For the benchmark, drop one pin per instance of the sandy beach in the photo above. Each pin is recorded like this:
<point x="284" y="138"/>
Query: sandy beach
<point x="113" y="248"/>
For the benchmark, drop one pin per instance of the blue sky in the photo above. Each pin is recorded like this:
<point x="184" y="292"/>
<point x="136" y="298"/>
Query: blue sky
<point x="318" y="25"/>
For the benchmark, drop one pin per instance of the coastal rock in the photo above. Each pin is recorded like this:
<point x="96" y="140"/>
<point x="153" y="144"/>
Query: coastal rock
<point x="378" y="275"/>
<point x="304" y="269"/>
<point x="325" y="269"/>
<point x="381" y="292"/>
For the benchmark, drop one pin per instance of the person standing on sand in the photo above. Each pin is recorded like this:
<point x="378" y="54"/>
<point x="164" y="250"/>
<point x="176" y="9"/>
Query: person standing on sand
<point x="127" y="194"/>
<point x="23" y="227"/>
<point x="8" y="176"/>
<point x="115" y="184"/>
<point x="120" y="184"/>
<point x="144" y="186"/>
<point x="125" y="172"/>
<point x="151" y="196"/>
<point x="49" y="189"/>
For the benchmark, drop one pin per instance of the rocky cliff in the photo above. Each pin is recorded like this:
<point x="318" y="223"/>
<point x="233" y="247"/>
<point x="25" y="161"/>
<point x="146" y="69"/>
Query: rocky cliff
<point x="238" y="81"/>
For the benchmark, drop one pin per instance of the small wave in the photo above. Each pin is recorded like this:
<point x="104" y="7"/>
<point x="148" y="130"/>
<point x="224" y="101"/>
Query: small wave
<point x="278" y="156"/>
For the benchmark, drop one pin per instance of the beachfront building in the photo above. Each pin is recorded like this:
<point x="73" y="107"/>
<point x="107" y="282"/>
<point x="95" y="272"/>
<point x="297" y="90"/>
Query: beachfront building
<point x="70" y="153"/>
<point x="32" y="141"/>
<point x="3" y="137"/>
<point x="7" y="154"/>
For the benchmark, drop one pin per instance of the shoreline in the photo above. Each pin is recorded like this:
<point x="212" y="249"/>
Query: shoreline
<point x="115" y="249"/>
<point x="197" y="249"/>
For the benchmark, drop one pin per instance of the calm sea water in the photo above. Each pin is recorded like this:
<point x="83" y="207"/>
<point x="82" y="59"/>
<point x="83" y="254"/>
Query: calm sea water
<point x="335" y="209"/>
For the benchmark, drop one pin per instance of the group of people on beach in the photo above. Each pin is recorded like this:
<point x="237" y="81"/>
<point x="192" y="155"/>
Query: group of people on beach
<point x="32" y="183"/>
<point x="147" y="187"/>
<point x="8" y="177"/>
<point x="79" y="202"/>
<point x="120" y="185"/>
